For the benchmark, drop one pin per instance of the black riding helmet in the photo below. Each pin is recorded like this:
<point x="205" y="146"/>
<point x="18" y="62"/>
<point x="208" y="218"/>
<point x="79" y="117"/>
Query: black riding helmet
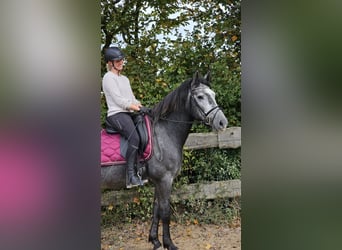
<point x="113" y="54"/>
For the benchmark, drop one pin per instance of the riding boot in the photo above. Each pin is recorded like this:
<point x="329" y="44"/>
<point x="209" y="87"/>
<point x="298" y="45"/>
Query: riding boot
<point x="132" y="179"/>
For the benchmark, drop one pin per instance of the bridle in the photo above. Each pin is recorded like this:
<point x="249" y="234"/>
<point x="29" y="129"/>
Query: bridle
<point x="206" y="120"/>
<point x="205" y="114"/>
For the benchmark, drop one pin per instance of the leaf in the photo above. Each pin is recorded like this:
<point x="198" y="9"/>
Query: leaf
<point x="208" y="246"/>
<point x="136" y="200"/>
<point x="110" y="207"/>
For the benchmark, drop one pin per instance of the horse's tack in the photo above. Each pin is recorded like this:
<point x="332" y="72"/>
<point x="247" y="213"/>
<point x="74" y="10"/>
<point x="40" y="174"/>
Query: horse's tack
<point x="110" y="147"/>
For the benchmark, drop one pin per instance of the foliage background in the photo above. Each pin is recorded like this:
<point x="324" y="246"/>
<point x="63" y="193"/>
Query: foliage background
<point x="165" y="42"/>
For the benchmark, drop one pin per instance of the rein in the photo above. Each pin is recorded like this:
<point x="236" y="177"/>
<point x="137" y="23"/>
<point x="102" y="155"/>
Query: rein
<point x="170" y="120"/>
<point x="190" y="101"/>
<point x="206" y="120"/>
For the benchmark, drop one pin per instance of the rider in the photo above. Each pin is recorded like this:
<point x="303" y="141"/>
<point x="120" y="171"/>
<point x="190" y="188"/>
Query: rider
<point x="121" y="104"/>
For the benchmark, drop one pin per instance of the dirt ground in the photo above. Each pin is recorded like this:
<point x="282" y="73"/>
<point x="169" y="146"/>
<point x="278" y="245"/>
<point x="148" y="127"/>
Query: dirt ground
<point x="192" y="236"/>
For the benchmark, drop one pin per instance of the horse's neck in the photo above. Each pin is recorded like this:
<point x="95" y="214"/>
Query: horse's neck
<point x="178" y="127"/>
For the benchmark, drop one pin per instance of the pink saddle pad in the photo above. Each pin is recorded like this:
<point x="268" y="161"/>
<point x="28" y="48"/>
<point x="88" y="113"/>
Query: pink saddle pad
<point x="110" y="147"/>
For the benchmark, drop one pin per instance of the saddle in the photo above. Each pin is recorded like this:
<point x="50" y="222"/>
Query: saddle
<point x="114" y="146"/>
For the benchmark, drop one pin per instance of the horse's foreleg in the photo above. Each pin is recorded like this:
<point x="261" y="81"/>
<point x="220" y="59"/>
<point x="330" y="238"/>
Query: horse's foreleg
<point x="165" y="217"/>
<point x="165" y="214"/>
<point x="153" y="237"/>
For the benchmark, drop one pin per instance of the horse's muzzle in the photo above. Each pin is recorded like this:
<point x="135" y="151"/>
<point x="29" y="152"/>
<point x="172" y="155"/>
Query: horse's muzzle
<point x="219" y="121"/>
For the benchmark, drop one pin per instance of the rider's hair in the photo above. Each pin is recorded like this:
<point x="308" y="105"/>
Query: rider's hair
<point x="109" y="66"/>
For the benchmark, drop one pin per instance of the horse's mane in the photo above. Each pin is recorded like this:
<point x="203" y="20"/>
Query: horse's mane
<point x="175" y="100"/>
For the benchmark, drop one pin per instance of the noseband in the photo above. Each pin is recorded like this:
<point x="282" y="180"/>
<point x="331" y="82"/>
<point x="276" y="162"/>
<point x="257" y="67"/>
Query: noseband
<point x="205" y="114"/>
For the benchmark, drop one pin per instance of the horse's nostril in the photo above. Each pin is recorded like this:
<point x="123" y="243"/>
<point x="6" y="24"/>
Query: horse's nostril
<point x="222" y="124"/>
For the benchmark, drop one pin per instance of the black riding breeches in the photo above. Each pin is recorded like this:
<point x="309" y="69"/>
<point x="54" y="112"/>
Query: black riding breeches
<point x="124" y="124"/>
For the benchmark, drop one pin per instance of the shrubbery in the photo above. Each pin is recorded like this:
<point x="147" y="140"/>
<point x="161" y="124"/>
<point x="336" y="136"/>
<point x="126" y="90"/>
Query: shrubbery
<point x="221" y="165"/>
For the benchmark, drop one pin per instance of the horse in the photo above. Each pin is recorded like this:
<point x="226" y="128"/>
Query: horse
<point x="172" y="118"/>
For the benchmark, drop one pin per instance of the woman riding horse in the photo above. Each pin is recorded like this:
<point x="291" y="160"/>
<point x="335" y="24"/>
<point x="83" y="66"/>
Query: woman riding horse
<point x="121" y="104"/>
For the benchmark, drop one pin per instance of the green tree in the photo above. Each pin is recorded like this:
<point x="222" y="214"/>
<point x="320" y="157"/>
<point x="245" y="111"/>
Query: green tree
<point x="167" y="41"/>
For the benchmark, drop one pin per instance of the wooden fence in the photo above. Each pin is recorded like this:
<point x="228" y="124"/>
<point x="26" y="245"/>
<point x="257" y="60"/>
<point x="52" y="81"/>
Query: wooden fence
<point x="230" y="138"/>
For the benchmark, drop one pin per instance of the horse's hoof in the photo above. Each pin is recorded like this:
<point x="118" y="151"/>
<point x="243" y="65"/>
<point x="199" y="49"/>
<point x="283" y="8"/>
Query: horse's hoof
<point x="158" y="248"/>
<point x="156" y="245"/>
<point x="171" y="247"/>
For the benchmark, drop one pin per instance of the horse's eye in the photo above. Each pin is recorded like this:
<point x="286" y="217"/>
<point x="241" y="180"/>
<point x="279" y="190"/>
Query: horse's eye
<point x="200" y="97"/>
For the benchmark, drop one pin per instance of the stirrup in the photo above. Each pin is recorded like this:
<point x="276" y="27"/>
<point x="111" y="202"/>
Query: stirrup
<point x="131" y="185"/>
<point x="139" y="174"/>
<point x="141" y="182"/>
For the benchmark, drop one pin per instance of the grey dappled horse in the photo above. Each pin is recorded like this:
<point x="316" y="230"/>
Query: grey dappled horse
<point x="172" y="120"/>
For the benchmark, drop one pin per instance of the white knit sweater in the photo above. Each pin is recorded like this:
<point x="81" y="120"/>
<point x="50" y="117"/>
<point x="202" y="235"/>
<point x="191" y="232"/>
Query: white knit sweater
<point x="118" y="93"/>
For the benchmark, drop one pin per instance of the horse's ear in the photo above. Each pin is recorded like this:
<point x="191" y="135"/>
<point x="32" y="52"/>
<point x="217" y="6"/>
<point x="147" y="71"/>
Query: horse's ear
<point x="208" y="77"/>
<point x="194" y="82"/>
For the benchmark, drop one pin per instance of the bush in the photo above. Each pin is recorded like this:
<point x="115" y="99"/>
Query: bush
<point x="219" y="211"/>
<point x="223" y="164"/>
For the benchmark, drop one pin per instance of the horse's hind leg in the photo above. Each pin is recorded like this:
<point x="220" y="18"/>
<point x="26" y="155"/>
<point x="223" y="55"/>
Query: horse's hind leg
<point x="153" y="237"/>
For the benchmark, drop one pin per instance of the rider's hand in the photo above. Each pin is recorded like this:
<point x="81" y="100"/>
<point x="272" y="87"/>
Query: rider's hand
<point x="134" y="107"/>
<point x="144" y="110"/>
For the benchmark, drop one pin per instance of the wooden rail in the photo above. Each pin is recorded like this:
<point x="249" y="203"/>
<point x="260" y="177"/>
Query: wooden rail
<point x="208" y="191"/>
<point x="229" y="138"/>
